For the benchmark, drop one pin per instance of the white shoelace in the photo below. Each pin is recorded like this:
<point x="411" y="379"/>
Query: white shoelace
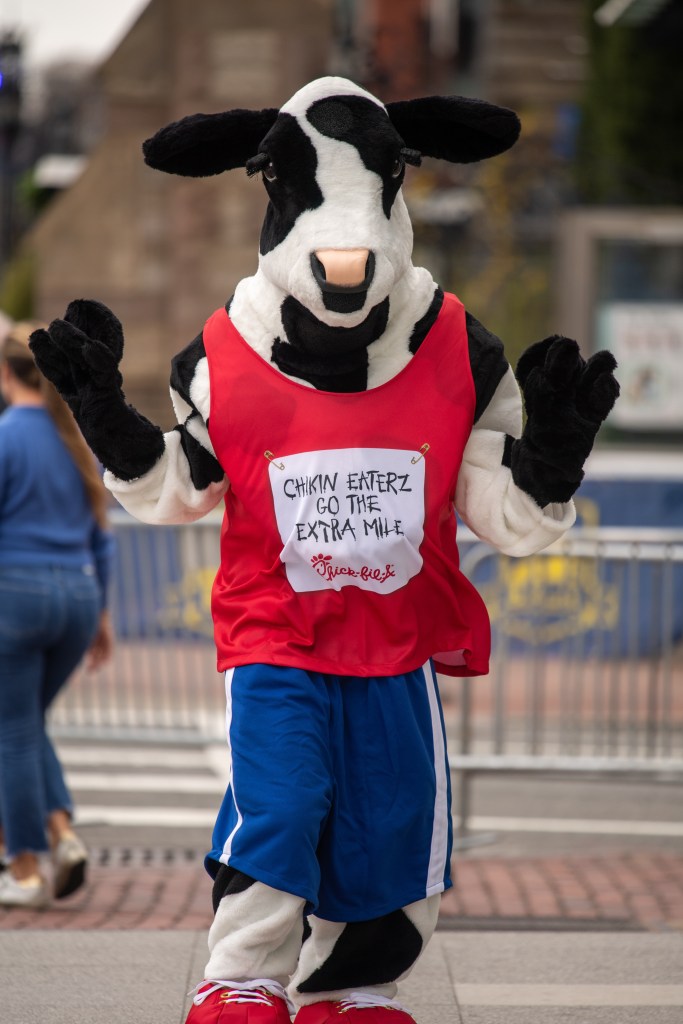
<point x="364" y="1000"/>
<point x="256" y="991"/>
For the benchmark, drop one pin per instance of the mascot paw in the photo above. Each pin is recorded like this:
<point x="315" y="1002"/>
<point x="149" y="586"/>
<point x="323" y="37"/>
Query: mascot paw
<point x="566" y="399"/>
<point x="80" y="356"/>
<point x="53" y="365"/>
<point x="598" y="388"/>
<point x="97" y="321"/>
<point x="74" y="360"/>
<point x="554" y="375"/>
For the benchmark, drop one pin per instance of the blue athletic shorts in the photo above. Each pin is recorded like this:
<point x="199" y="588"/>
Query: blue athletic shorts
<point x="339" y="789"/>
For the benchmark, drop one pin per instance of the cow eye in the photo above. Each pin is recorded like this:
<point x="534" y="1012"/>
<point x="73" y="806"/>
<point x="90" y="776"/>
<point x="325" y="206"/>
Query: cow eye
<point x="399" y="164"/>
<point x="269" y="172"/>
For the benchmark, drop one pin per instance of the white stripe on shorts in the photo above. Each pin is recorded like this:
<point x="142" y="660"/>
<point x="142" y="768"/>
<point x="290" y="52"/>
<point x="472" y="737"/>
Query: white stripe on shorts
<point x="227" y="846"/>
<point x="439" y="848"/>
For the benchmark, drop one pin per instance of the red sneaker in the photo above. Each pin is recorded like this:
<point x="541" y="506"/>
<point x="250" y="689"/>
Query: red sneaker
<point x="357" y="1009"/>
<point x="216" y="1003"/>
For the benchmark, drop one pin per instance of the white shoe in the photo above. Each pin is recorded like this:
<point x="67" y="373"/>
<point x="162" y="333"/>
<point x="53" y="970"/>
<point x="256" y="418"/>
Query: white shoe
<point x="70" y="859"/>
<point x="33" y="892"/>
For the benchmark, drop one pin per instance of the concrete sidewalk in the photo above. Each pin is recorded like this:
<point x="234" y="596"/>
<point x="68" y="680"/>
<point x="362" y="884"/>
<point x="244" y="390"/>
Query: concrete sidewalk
<point x="134" y="977"/>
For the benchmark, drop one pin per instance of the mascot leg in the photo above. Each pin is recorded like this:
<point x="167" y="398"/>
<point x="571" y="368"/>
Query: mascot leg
<point x="384" y="853"/>
<point x="338" y="803"/>
<point x="354" y="968"/>
<point x="256" y="932"/>
<point x="263" y="857"/>
<point x="254" y="944"/>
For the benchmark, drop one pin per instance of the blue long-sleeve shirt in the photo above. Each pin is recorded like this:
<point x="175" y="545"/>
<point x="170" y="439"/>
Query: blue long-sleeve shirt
<point x="45" y="515"/>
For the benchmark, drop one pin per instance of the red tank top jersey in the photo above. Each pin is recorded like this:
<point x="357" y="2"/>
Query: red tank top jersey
<point x="338" y="544"/>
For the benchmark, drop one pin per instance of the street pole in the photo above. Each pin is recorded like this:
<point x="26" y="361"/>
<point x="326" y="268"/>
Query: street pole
<point x="10" y="104"/>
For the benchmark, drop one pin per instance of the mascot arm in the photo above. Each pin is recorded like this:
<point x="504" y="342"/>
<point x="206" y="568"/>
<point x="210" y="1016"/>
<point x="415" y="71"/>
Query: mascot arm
<point x="187" y="481"/>
<point x="488" y="498"/>
<point x="157" y="477"/>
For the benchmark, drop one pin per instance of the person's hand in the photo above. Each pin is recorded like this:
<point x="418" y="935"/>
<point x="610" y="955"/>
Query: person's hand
<point x="101" y="648"/>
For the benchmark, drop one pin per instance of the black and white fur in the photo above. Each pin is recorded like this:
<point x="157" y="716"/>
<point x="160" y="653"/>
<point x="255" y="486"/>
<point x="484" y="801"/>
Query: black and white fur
<point x="333" y="161"/>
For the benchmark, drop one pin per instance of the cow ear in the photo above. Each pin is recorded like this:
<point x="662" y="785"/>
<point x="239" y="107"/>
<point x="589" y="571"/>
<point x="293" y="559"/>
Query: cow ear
<point x="204" y="144"/>
<point x="454" y="128"/>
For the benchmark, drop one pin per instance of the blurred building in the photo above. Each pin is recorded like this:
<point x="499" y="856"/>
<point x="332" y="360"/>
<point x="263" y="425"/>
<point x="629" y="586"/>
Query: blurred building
<point x="68" y="116"/>
<point x="164" y="252"/>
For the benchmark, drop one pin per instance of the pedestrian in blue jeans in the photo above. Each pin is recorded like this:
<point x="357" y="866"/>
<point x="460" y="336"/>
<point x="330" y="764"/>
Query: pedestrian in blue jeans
<point x="55" y="555"/>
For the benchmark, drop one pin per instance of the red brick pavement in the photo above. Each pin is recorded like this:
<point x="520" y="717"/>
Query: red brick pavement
<point x="137" y="889"/>
<point x="636" y="890"/>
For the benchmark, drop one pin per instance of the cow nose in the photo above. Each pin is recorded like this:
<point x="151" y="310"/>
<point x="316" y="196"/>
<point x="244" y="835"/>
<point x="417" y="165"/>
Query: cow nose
<point x="346" y="268"/>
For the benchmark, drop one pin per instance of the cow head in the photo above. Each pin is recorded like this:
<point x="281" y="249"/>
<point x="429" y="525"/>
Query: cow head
<point x="336" y="236"/>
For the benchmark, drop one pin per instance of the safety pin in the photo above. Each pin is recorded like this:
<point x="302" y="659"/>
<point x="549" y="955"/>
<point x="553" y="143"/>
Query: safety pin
<point x="423" y="451"/>
<point x="271" y="458"/>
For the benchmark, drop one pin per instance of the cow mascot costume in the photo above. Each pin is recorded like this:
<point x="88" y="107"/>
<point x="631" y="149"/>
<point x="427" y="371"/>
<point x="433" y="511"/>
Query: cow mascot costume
<point x="342" y="406"/>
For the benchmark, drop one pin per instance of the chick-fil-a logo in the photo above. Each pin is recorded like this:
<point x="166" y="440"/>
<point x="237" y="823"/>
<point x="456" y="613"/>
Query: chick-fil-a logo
<point x="324" y="567"/>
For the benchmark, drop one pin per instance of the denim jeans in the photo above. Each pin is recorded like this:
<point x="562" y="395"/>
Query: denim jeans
<point x="48" y="618"/>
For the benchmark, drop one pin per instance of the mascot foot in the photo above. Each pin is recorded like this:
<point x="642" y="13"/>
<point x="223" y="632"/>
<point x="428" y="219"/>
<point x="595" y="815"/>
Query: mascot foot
<point x="357" y="1009"/>
<point x="217" y="1003"/>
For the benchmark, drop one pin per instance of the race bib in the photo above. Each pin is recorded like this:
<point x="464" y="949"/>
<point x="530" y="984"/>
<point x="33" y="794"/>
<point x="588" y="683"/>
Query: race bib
<point x="350" y="517"/>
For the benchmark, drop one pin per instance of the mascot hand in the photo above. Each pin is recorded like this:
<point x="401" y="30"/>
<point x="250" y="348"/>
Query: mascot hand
<point x="80" y="352"/>
<point x="80" y="355"/>
<point x="566" y="399"/>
